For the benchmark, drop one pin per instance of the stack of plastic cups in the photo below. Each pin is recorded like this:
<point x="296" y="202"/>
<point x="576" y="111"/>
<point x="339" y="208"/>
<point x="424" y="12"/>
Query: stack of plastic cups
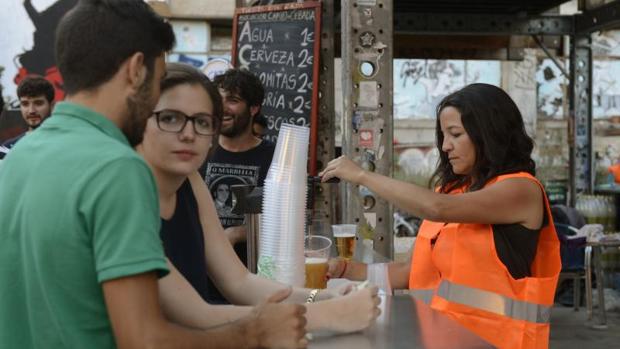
<point x="281" y="245"/>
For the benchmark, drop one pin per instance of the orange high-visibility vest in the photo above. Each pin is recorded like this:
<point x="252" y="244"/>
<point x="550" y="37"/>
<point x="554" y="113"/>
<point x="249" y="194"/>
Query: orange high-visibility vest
<point x="462" y="276"/>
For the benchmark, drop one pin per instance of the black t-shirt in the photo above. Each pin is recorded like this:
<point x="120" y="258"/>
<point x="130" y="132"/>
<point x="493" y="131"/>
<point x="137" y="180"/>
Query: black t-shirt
<point x="10" y="144"/>
<point x="516" y="246"/>
<point x="184" y="244"/>
<point x="225" y="168"/>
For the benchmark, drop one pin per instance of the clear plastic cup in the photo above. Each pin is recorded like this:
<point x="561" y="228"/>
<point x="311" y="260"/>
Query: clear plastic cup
<point x="345" y="234"/>
<point x="316" y="251"/>
<point x="292" y="147"/>
<point x="377" y="274"/>
<point x="284" y="201"/>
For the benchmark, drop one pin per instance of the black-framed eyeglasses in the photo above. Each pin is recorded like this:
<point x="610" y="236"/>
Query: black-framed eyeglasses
<point x="174" y="121"/>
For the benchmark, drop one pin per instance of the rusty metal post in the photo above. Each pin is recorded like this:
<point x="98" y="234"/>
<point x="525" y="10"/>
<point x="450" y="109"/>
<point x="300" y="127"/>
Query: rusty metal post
<point x="324" y="208"/>
<point x="367" y="47"/>
<point x="581" y="169"/>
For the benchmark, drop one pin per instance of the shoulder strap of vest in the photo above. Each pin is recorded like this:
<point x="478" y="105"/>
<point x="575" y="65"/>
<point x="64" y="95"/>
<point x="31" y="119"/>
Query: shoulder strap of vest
<point x="515" y="175"/>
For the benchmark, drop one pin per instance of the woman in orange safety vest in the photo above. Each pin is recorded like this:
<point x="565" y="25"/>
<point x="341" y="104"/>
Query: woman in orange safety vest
<point x="487" y="254"/>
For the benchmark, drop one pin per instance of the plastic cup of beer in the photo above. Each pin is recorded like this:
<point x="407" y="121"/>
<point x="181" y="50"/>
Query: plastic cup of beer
<point x="316" y="251"/>
<point x="344" y="234"/>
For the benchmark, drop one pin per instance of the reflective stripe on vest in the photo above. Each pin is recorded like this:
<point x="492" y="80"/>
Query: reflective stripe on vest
<point x="424" y="295"/>
<point x="494" y="303"/>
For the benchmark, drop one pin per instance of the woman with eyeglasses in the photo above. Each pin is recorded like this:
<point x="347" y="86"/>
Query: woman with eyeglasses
<point x="176" y="141"/>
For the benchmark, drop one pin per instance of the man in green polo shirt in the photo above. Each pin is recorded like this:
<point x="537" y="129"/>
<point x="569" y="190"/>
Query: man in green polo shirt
<point x="79" y="216"/>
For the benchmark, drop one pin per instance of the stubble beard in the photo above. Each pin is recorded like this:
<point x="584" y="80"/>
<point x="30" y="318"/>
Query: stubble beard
<point x="239" y="125"/>
<point x="139" y="107"/>
<point x="34" y="125"/>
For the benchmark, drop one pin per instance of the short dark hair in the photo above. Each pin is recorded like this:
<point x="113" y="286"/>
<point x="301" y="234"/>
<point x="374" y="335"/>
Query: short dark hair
<point x="180" y="73"/>
<point x="95" y="37"/>
<point x="34" y="86"/>
<point x="495" y="126"/>
<point x="243" y="83"/>
<point x="261" y="120"/>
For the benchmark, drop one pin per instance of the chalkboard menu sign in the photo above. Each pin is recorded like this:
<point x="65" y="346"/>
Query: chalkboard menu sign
<point x="280" y="45"/>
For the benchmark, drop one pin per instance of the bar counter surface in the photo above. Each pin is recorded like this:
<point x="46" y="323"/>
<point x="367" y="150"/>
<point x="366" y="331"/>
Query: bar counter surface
<point x="404" y="323"/>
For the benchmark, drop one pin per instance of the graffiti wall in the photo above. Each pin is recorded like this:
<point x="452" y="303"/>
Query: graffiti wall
<point x="553" y="86"/>
<point x="420" y="84"/>
<point x="28" y="41"/>
<point x="606" y="88"/>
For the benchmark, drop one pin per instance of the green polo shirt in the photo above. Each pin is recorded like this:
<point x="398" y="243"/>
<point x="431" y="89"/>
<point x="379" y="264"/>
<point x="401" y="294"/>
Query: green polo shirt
<point x="78" y="207"/>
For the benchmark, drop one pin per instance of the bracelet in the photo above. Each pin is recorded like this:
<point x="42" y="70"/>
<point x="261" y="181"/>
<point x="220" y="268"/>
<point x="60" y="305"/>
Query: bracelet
<point x="312" y="295"/>
<point x="344" y="269"/>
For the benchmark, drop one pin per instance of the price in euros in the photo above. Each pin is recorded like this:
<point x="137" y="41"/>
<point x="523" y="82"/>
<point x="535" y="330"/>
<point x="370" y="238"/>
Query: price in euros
<point x="307" y="37"/>
<point x="305" y="58"/>
<point x="299" y="104"/>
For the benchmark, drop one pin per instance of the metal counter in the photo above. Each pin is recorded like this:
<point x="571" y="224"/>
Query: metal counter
<point x="404" y="323"/>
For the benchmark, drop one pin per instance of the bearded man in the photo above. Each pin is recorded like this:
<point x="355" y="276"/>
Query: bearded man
<point x="36" y="101"/>
<point x="80" y="252"/>
<point x="240" y="157"/>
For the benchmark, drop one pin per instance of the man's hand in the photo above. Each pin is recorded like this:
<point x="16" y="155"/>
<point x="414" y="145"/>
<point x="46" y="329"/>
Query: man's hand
<point x="278" y="325"/>
<point x="236" y="234"/>
<point x="355" y="311"/>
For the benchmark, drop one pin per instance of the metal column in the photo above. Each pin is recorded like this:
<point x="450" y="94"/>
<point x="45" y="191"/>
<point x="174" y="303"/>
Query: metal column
<point x="367" y="29"/>
<point x="324" y="208"/>
<point x="581" y="176"/>
<point x="582" y="160"/>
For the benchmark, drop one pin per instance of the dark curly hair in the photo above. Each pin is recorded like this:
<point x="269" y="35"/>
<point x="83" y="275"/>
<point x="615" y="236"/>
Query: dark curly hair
<point x="35" y="86"/>
<point x="495" y="126"/>
<point x="244" y="83"/>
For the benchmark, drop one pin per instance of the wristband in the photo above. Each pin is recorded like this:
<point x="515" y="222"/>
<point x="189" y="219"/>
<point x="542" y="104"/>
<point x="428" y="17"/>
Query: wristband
<point x="343" y="269"/>
<point x="312" y="295"/>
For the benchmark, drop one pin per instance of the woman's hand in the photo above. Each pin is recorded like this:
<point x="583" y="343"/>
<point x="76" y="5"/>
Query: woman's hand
<point x="335" y="268"/>
<point x="341" y="290"/>
<point x="355" y="311"/>
<point x="344" y="169"/>
<point x="335" y="292"/>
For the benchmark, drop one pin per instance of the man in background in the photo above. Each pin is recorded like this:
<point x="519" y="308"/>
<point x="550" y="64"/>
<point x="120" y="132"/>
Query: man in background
<point x="36" y="100"/>
<point x="240" y="157"/>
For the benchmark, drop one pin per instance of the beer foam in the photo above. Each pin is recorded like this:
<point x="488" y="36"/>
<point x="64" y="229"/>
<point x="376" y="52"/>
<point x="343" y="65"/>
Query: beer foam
<point x="315" y="260"/>
<point x="344" y="235"/>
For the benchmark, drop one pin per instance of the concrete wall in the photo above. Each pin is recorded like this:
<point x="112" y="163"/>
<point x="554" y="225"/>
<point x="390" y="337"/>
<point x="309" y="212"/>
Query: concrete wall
<point x="208" y="9"/>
